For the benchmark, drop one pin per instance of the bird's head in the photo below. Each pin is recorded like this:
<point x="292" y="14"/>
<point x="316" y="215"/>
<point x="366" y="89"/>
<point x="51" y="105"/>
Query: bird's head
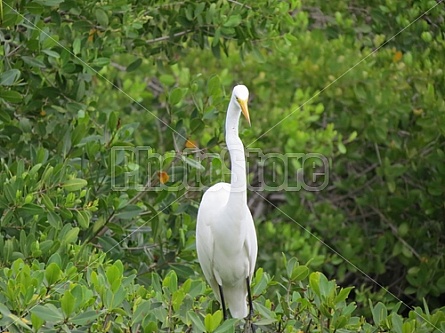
<point x="241" y="96"/>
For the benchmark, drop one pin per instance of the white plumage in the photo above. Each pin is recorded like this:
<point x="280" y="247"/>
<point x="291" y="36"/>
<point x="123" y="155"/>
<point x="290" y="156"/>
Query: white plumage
<point x="225" y="234"/>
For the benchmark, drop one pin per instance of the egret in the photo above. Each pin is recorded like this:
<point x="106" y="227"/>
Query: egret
<point x="225" y="233"/>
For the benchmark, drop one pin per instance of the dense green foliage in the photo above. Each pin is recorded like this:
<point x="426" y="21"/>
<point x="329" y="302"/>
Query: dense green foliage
<point x="111" y="123"/>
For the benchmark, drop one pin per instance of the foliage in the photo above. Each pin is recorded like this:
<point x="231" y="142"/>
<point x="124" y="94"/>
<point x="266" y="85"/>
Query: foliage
<point x="111" y="125"/>
<point x="103" y="298"/>
<point x="386" y="182"/>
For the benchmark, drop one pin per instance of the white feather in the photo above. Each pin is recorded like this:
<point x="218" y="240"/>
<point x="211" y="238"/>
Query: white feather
<point x="225" y="234"/>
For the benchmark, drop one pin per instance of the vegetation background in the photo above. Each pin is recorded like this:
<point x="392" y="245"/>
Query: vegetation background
<point x="106" y="107"/>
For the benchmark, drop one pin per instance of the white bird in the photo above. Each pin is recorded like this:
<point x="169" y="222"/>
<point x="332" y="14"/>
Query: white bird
<point x="225" y="233"/>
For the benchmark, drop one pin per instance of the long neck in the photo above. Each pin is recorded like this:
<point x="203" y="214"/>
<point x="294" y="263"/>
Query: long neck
<point x="238" y="192"/>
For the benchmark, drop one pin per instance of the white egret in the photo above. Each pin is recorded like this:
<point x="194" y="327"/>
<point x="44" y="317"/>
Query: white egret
<point x="225" y="233"/>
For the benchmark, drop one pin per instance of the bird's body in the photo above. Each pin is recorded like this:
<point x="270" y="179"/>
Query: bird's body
<point x="225" y="234"/>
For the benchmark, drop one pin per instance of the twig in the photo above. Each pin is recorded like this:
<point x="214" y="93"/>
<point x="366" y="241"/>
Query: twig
<point x="118" y="66"/>
<point x="240" y="4"/>
<point x="164" y="38"/>
<point x="396" y="233"/>
<point x="378" y="153"/>
<point x="350" y="194"/>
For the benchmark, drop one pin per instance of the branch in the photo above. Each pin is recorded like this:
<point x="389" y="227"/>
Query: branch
<point x="164" y="38"/>
<point x="396" y="233"/>
<point x="118" y="66"/>
<point x="239" y="4"/>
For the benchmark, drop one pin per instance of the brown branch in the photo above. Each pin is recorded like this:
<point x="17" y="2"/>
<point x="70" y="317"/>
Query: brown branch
<point x="395" y="232"/>
<point x="352" y="193"/>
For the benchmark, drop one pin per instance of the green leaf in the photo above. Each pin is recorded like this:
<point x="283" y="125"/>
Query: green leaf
<point x="171" y="281"/>
<point x="109" y="244"/>
<point x="233" y="21"/>
<point x="440" y="284"/>
<point x="259" y="57"/>
<point x="79" y="132"/>
<point x="52" y="273"/>
<point x="134" y="65"/>
<point x="101" y="17"/>
<point x="216" y="37"/>
<point x="34" y="8"/>
<point x="300" y="273"/>
<point x="290" y="265"/>
<point x="19" y="322"/>
<point x="341" y="148"/>
<point x="67" y="303"/>
<point x="264" y="322"/>
<point x="35" y="168"/>
<point x="71" y="236"/>
<point x="55" y="258"/>
<point x="77" y="44"/>
<point x="80" y="90"/>
<point x="10" y="77"/>
<point x="196" y="124"/>
<point x="142" y="310"/>
<point x="113" y="121"/>
<point x="47" y="202"/>
<point x="343" y="294"/>
<point x="326" y="287"/>
<point x="178" y="299"/>
<point x="427" y="36"/>
<point x="214" y="87"/>
<point x="100" y="62"/>
<point x="74" y="184"/>
<point x="83" y="218"/>
<point x="167" y="79"/>
<point x="397" y="323"/>
<point x="49" y="3"/>
<point x="5" y="117"/>
<point x="48" y="312"/>
<point x="352" y="136"/>
<point x="340" y="322"/>
<point x="114" y="300"/>
<point x="9" y="19"/>
<point x="194" y="164"/>
<point x="129" y="212"/>
<point x="114" y="277"/>
<point x="379" y="313"/>
<point x="86" y="318"/>
<point x="176" y="95"/>
<point x="10" y="191"/>
<point x="4" y="310"/>
<point x="183" y="271"/>
<point x="52" y="54"/>
<point x="314" y="282"/>
<point x="211" y="322"/>
<point x="8" y="248"/>
<point x="54" y="220"/>
<point x="197" y="321"/>
<point x="36" y="322"/>
<point x="228" y="326"/>
<point x="33" y="62"/>
<point x="66" y="143"/>
<point x="11" y="96"/>
<point x="30" y="209"/>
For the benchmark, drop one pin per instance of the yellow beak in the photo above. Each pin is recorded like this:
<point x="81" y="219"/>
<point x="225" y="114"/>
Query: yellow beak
<point x="244" y="109"/>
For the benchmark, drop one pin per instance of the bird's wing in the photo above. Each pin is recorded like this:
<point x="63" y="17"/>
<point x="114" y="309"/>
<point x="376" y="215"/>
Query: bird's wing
<point x="205" y="247"/>
<point x="251" y="244"/>
<point x="235" y="294"/>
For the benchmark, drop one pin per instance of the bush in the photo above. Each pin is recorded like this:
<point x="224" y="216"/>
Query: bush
<point x="104" y="104"/>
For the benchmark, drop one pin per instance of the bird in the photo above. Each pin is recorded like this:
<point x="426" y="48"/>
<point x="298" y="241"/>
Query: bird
<point x="226" y="240"/>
